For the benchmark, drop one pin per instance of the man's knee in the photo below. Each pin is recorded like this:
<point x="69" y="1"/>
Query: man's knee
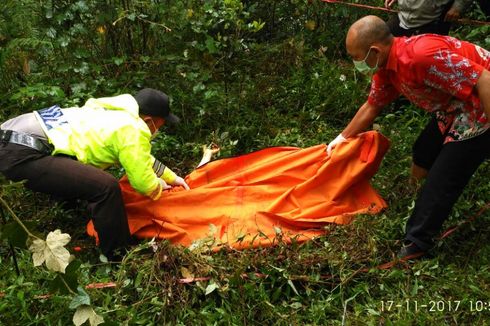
<point x="427" y="146"/>
<point x="107" y="187"/>
<point x="104" y="187"/>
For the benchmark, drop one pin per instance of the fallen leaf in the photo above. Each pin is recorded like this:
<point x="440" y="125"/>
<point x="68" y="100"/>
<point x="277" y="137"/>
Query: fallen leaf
<point x="85" y="313"/>
<point x="37" y="248"/>
<point x="51" y="251"/>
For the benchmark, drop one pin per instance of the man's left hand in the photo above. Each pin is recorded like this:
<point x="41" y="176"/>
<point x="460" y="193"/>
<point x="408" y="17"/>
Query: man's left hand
<point x="453" y="14"/>
<point x="339" y="139"/>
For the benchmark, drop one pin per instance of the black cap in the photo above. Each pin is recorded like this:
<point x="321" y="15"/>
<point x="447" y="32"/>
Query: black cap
<point x="153" y="102"/>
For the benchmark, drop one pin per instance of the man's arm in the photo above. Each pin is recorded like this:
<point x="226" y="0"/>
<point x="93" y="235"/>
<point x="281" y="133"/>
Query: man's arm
<point x="381" y="94"/>
<point x="362" y="120"/>
<point x="483" y="89"/>
<point x="134" y="153"/>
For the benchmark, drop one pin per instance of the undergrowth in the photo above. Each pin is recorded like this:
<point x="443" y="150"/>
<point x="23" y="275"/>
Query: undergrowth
<point x="287" y="82"/>
<point x="330" y="280"/>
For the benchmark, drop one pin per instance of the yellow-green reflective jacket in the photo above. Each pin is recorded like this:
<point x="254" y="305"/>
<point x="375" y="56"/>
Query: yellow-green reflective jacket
<point x="104" y="132"/>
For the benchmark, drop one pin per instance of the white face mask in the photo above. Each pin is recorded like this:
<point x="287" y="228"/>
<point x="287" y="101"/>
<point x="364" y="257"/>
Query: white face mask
<point x="363" y="67"/>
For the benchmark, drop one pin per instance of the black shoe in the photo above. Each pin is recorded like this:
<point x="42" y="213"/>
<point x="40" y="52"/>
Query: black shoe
<point x="116" y="256"/>
<point x="410" y="251"/>
<point x="134" y="241"/>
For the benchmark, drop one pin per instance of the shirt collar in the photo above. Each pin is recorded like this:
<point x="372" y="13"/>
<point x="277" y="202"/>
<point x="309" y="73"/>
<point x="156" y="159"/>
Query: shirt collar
<point x="392" y="63"/>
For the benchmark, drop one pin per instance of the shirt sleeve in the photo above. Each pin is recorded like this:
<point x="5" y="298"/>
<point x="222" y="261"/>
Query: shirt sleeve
<point x="382" y="90"/>
<point x="163" y="171"/>
<point x="448" y="71"/>
<point x="134" y="153"/>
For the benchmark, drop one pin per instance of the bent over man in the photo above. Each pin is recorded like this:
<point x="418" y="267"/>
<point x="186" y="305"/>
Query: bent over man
<point x="446" y="77"/>
<point x="63" y="152"/>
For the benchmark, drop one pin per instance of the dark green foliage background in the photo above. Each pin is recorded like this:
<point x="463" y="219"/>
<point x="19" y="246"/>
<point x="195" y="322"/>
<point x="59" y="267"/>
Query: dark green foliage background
<point x="245" y="75"/>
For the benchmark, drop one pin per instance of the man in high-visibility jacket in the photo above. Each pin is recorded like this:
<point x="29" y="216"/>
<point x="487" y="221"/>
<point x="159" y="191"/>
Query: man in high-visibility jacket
<point x="63" y="152"/>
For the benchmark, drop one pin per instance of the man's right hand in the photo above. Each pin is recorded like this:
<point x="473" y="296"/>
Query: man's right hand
<point x="180" y="182"/>
<point x="389" y="3"/>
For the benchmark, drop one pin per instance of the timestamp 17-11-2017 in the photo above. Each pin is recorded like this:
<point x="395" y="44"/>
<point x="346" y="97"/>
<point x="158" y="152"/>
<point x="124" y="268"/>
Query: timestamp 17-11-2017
<point x="436" y="305"/>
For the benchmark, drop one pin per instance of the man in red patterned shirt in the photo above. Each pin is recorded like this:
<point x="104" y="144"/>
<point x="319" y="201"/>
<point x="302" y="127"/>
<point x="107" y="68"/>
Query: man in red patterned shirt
<point x="446" y="77"/>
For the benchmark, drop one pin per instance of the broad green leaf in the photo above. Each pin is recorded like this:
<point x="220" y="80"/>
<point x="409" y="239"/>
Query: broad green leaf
<point x="64" y="41"/>
<point x="70" y="278"/>
<point x="81" y="6"/>
<point x="211" y="45"/>
<point x="51" y="32"/>
<point x="85" y="313"/>
<point x="210" y="94"/>
<point x="81" y="299"/>
<point x="103" y="259"/>
<point x="15" y="234"/>
<point x="198" y="87"/>
<point x="296" y="305"/>
<point x="118" y="60"/>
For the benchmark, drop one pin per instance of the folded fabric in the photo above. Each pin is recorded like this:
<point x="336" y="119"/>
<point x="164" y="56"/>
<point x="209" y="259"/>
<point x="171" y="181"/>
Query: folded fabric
<point x="247" y="201"/>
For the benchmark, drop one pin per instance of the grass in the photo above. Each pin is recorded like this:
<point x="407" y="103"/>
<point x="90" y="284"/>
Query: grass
<point x="332" y="280"/>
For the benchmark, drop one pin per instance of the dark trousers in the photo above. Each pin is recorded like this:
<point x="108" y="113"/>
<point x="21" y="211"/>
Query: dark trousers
<point x="437" y="26"/>
<point x="66" y="178"/>
<point x="450" y="168"/>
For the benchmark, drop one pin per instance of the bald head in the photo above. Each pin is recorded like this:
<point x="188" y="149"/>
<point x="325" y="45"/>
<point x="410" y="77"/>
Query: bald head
<point x="366" y="32"/>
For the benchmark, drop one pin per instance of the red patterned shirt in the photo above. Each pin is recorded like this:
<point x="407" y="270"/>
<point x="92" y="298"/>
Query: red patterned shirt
<point x="439" y="74"/>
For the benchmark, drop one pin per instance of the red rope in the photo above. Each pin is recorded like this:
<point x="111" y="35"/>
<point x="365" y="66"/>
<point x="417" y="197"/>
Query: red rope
<point x="464" y="21"/>
<point x="469" y="220"/>
<point x="361" y="5"/>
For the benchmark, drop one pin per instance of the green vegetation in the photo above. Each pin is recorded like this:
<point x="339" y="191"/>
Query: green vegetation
<point x="245" y="75"/>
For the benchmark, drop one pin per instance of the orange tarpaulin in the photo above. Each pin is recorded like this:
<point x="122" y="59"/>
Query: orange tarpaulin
<point x="246" y="201"/>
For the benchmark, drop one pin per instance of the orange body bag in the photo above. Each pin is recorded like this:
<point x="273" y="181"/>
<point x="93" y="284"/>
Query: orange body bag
<point x="246" y="201"/>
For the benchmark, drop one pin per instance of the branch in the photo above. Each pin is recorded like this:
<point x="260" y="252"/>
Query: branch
<point x="17" y="219"/>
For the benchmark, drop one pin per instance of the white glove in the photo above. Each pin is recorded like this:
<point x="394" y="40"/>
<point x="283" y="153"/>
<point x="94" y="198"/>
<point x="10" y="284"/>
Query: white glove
<point x="180" y="182"/>
<point x="339" y="139"/>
